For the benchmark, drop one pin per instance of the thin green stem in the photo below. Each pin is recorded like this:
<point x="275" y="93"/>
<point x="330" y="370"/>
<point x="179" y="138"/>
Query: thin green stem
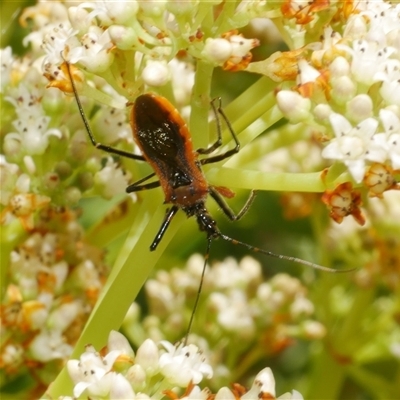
<point x="329" y="370"/>
<point x="278" y="181"/>
<point x="200" y="104"/>
<point x="129" y="274"/>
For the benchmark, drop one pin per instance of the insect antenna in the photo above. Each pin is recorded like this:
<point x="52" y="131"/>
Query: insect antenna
<point x="281" y="256"/>
<point x="199" y="289"/>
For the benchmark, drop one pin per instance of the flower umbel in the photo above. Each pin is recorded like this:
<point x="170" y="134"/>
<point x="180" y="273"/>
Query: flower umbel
<point x="322" y="117"/>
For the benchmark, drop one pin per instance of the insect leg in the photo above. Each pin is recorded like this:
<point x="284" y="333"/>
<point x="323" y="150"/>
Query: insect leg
<point x="96" y="144"/>
<point x="214" y="146"/>
<point x="218" y="142"/>
<point x="136" y="186"/>
<point x="164" y="226"/>
<point x="225" y="207"/>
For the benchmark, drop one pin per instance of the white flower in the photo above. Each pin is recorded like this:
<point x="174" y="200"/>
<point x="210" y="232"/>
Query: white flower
<point x="184" y="364"/>
<point x="390" y="77"/>
<point x="64" y="315"/>
<point x="353" y="146"/>
<point x="264" y="384"/>
<point x="91" y="372"/>
<point x="111" y="179"/>
<point x="182" y="74"/>
<point x="7" y="60"/>
<point x="389" y="141"/>
<point x="368" y="59"/>
<point x="240" y="47"/>
<point x="307" y="73"/>
<point x="234" y="312"/>
<point x="31" y="125"/>
<point x="8" y="176"/>
<point x="94" y="54"/>
<point x="109" y="13"/>
<point x="198" y="394"/>
<point x="54" y="43"/>
<point x="50" y="345"/>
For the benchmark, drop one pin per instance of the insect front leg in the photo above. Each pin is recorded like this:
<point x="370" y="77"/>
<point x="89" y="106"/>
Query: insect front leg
<point x="137" y="187"/>
<point x="164" y="226"/>
<point x="96" y="144"/>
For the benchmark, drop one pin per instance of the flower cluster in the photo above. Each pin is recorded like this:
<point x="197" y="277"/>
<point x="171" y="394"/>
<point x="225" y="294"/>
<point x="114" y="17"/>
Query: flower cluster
<point x="330" y="104"/>
<point x="243" y="309"/>
<point x="155" y="371"/>
<point x="94" y="34"/>
<point x="347" y="84"/>
<point x="55" y="278"/>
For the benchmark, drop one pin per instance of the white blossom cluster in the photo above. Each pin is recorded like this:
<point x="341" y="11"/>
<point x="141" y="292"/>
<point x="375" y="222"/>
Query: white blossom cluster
<point x="153" y="372"/>
<point x="349" y="83"/>
<point x="89" y="34"/>
<point x="343" y="89"/>
<point x="235" y="305"/>
<point x="53" y="278"/>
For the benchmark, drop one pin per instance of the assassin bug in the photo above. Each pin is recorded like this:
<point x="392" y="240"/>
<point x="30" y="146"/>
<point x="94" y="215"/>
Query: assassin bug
<point x="165" y="142"/>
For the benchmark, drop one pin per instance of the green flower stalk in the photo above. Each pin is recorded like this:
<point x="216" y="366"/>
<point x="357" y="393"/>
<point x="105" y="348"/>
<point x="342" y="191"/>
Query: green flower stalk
<point x="322" y="118"/>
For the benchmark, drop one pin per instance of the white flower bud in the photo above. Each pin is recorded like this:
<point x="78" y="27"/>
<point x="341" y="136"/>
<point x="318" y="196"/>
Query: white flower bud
<point x="153" y="8"/>
<point x="147" y="357"/>
<point x="339" y="67"/>
<point x="322" y="112"/>
<point x="356" y="27"/>
<point x="224" y="394"/>
<point x="123" y="37"/>
<point x="217" y="50"/>
<point x="117" y="341"/>
<point x="72" y="195"/>
<point x="11" y="145"/>
<point x="359" y="108"/>
<point x="314" y="329"/>
<point x="78" y="18"/>
<point x="294" y="107"/>
<point x="301" y="307"/>
<point x="120" y="388"/>
<point x="136" y="375"/>
<point x="122" y="11"/>
<point x="343" y="89"/>
<point x="99" y="62"/>
<point x="156" y="73"/>
<point x="23" y="183"/>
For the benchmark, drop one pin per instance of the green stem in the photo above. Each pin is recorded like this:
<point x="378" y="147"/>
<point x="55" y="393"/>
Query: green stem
<point x="131" y="270"/>
<point x="200" y="104"/>
<point x="329" y="370"/>
<point x="326" y="378"/>
<point x="279" y="181"/>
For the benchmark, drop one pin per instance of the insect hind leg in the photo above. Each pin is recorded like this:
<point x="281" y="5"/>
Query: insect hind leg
<point x="218" y="111"/>
<point x="227" y="210"/>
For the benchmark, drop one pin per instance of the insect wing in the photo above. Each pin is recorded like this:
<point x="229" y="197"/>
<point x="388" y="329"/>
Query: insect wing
<point x="163" y="137"/>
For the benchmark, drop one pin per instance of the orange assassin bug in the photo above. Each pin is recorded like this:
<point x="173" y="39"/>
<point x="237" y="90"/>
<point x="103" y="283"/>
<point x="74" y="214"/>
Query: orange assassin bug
<point x="165" y="142"/>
